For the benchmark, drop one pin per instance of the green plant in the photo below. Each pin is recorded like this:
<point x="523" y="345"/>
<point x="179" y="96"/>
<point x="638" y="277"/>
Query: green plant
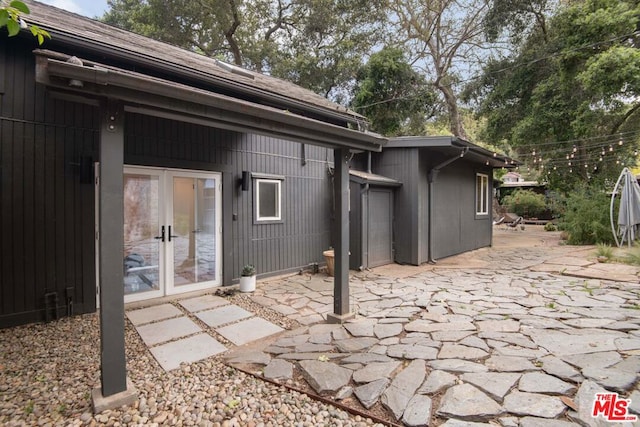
<point x="248" y="270"/>
<point x="586" y="219"/>
<point x="11" y="16"/>
<point x="526" y="203"/>
<point x="604" y="250"/>
<point x="633" y="257"/>
<point x="28" y="409"/>
<point x="550" y="227"/>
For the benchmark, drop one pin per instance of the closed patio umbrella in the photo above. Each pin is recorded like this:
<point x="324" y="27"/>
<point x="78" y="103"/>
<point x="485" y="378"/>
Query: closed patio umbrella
<point x="629" y="211"/>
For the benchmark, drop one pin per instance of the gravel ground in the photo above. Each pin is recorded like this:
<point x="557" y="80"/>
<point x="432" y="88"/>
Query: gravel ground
<point x="47" y="372"/>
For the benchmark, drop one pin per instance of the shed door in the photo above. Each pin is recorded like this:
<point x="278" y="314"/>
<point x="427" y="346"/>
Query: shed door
<point x="380" y="230"/>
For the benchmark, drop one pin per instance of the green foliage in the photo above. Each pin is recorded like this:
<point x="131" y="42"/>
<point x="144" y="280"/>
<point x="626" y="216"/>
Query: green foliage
<point x="586" y="218"/>
<point x="248" y="270"/>
<point x="571" y="85"/>
<point x="604" y="250"/>
<point x="549" y="226"/>
<point x="392" y="95"/>
<point x="11" y="17"/>
<point x="526" y="203"/>
<point x="633" y="257"/>
<point x="318" y="44"/>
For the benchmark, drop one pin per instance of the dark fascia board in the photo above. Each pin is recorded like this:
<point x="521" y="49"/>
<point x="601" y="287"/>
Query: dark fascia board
<point x="453" y="145"/>
<point x="149" y="95"/>
<point x="72" y="30"/>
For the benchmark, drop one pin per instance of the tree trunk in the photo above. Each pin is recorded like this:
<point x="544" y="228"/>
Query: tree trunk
<point x="455" y="121"/>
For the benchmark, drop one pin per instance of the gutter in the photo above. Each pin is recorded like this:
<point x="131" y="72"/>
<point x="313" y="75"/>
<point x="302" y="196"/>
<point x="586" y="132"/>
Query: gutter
<point x="433" y="175"/>
<point x="189" y="73"/>
<point x="211" y="107"/>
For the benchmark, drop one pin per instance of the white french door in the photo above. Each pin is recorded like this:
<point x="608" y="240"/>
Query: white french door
<point x="172" y="231"/>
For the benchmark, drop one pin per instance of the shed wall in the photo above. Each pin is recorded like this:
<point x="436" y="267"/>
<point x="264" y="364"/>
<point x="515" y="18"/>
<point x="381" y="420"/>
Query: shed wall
<point x="409" y="201"/>
<point x="456" y="226"/>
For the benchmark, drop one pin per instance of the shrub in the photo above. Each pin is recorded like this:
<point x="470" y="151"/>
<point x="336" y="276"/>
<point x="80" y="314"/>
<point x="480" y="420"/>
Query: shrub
<point x="550" y="227"/>
<point x="586" y="218"/>
<point x="604" y="250"/>
<point x="525" y="203"/>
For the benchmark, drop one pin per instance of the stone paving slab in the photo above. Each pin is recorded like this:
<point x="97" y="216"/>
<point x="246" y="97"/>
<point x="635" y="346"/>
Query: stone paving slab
<point x="152" y="314"/>
<point x="223" y="315"/>
<point x="186" y="350"/>
<point x="248" y="330"/>
<point x="203" y="302"/>
<point x="167" y="330"/>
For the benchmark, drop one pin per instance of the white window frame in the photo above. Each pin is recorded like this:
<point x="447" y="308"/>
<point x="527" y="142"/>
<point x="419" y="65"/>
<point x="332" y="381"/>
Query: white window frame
<point x="482" y="196"/>
<point x="278" y="183"/>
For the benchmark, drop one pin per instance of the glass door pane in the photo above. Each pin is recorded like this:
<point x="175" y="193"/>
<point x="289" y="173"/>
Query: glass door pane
<point x="142" y="235"/>
<point x="194" y="232"/>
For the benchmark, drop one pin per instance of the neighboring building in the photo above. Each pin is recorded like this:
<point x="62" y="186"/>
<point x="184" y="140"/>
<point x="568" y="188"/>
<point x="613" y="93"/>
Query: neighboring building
<point x="424" y="198"/>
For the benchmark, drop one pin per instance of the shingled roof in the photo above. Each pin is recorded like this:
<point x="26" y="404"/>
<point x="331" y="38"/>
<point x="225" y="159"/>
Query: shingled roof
<point x="67" y="27"/>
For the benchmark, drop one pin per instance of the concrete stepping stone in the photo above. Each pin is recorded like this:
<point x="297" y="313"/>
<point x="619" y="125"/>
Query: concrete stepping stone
<point x="634" y="407"/>
<point x="203" y="302"/>
<point x="223" y="315"/>
<point x="248" y="330"/>
<point x="368" y="394"/>
<point x="498" y="325"/>
<point x="451" y="335"/>
<point x="509" y="338"/>
<point x="324" y="377"/>
<point x="460" y="423"/>
<point x="309" y="347"/>
<point x="186" y="350"/>
<point x="457" y="366"/>
<point x="167" y="330"/>
<point x="534" y="404"/>
<point x="466" y="402"/>
<point x="437" y="381"/>
<point x="537" y="382"/>
<point x="375" y="371"/>
<point x="278" y="369"/>
<point x="292" y="341"/>
<point x="311" y="356"/>
<point x="403" y="387"/>
<point x="584" y="401"/>
<point x="495" y="384"/>
<point x="557" y="367"/>
<point x="152" y="314"/>
<point x="474" y="341"/>
<point x="418" y="411"/>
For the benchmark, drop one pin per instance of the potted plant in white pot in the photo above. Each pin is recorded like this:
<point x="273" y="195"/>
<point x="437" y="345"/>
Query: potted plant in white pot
<point x="248" y="278"/>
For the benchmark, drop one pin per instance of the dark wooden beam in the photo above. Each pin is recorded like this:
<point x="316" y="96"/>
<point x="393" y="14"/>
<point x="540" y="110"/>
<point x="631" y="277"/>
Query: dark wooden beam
<point x="111" y="235"/>
<point x="341" y="235"/>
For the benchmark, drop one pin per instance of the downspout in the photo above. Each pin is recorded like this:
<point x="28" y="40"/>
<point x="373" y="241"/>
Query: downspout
<point x="433" y="175"/>
<point x="365" y="190"/>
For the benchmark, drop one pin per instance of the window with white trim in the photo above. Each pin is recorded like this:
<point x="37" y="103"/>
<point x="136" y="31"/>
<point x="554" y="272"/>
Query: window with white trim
<point x="482" y="194"/>
<point x="268" y="200"/>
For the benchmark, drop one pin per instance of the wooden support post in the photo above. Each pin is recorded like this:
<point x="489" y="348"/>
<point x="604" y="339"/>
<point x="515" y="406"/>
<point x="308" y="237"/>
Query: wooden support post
<point x="341" y="233"/>
<point x="113" y="392"/>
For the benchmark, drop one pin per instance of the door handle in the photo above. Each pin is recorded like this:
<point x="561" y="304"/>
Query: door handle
<point x="170" y="236"/>
<point x="161" y="236"/>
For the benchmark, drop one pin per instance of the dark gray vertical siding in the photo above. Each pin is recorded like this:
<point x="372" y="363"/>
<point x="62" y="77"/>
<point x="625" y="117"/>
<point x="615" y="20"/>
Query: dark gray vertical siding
<point x="355" y="226"/>
<point x="47" y="213"/>
<point x="403" y="165"/>
<point x="304" y="232"/>
<point x="456" y="227"/>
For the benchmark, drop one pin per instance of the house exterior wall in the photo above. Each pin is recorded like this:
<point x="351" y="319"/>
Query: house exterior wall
<point x="456" y="226"/>
<point x="409" y="202"/>
<point x="47" y="192"/>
